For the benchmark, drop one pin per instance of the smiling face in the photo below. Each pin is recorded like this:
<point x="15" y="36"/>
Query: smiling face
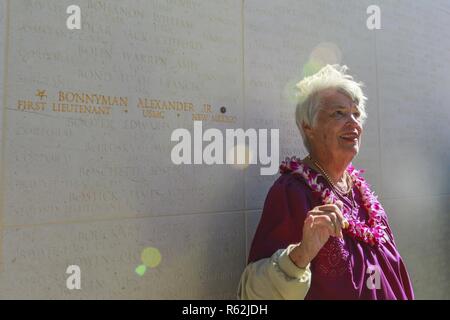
<point x="336" y="132"/>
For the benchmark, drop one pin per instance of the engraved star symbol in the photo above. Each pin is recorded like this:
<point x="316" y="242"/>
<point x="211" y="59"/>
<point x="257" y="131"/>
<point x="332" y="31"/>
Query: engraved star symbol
<point x="41" y="94"/>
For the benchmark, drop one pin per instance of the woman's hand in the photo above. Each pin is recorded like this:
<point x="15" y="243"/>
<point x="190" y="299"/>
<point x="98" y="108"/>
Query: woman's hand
<point x="321" y="223"/>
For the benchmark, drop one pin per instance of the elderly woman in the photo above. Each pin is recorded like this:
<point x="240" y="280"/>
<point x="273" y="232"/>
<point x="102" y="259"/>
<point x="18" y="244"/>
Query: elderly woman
<point x="323" y="234"/>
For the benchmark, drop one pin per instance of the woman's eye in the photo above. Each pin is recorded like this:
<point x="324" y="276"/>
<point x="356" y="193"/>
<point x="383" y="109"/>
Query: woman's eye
<point x="339" y="113"/>
<point x="356" y="114"/>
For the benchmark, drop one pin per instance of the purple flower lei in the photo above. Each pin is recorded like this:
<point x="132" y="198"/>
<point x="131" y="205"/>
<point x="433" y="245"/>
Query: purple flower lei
<point x="371" y="232"/>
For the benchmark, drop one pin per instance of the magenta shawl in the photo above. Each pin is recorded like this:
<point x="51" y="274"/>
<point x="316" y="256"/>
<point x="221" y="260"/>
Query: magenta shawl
<point x="339" y="271"/>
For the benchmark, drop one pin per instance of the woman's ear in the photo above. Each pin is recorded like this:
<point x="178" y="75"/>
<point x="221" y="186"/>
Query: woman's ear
<point x="307" y="129"/>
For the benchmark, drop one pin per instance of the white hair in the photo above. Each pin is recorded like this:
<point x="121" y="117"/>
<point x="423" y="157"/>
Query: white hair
<point x="330" y="76"/>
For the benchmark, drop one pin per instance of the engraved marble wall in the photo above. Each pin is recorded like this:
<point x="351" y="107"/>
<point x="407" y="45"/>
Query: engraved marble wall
<point x="88" y="178"/>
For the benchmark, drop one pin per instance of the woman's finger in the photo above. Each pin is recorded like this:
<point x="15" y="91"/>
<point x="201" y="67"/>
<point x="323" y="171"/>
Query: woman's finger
<point x="340" y="204"/>
<point x="328" y="207"/>
<point x="335" y="219"/>
<point x="309" y="220"/>
<point x="338" y="209"/>
<point x="316" y="212"/>
<point x="339" y="215"/>
<point x="337" y="223"/>
<point x="323" y="221"/>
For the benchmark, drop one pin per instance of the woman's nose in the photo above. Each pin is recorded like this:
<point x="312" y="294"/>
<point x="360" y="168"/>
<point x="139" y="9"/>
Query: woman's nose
<point x="353" y="119"/>
<point x="354" y="122"/>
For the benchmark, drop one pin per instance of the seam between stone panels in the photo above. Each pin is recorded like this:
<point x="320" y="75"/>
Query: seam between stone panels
<point x="4" y="131"/>
<point x="378" y="113"/>
<point x="244" y="122"/>
<point x="90" y="220"/>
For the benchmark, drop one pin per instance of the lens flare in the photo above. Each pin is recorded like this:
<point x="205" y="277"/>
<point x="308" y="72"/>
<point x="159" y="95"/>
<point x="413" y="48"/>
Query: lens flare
<point x="240" y="152"/>
<point x="290" y="93"/>
<point x="151" y="257"/>
<point x="324" y="53"/>
<point x="140" y="270"/>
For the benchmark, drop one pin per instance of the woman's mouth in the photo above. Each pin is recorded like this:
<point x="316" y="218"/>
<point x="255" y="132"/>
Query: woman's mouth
<point x="350" y="137"/>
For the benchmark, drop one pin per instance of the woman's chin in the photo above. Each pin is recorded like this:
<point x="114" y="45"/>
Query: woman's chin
<point x="349" y="145"/>
<point x="351" y="150"/>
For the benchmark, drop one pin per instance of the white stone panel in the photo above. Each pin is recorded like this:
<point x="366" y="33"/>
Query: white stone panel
<point x="70" y="166"/>
<point x="420" y="227"/>
<point x="283" y="40"/>
<point x="201" y="258"/>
